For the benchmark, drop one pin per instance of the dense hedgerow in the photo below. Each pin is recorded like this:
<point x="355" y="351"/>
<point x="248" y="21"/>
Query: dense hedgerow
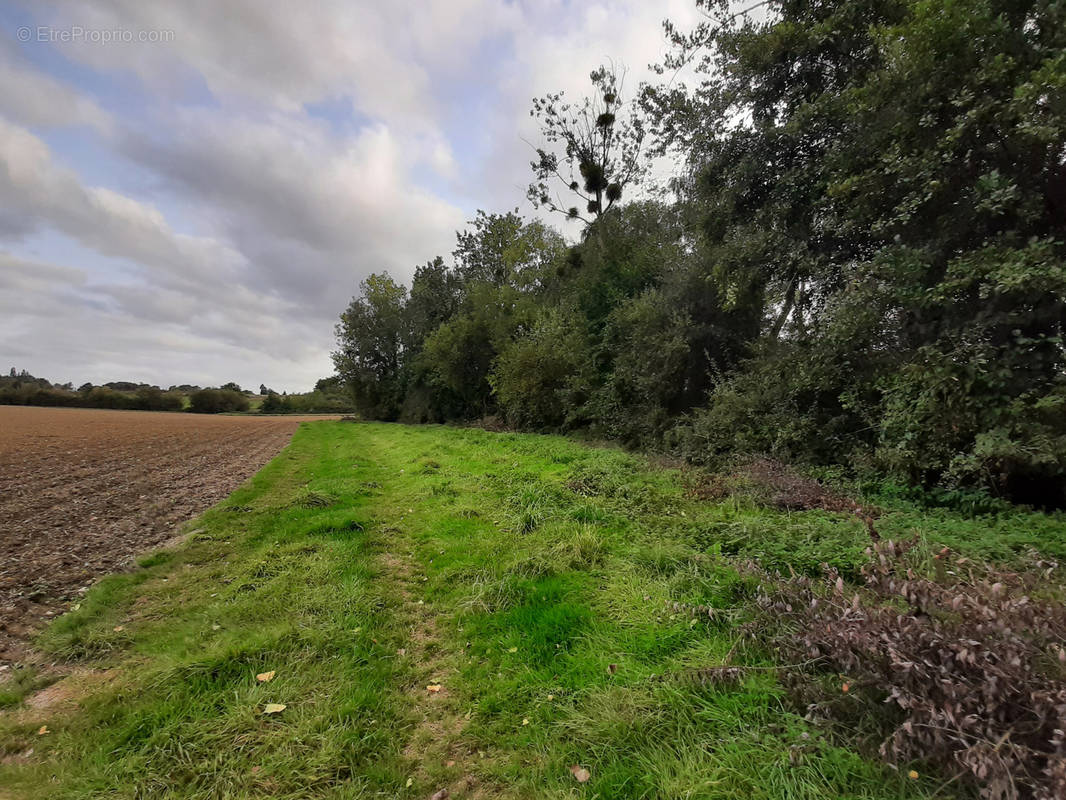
<point x="36" y="392"/>
<point x="863" y="265"/>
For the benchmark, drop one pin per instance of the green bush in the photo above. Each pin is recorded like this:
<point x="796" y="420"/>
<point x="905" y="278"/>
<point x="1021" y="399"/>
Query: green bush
<point x="532" y="375"/>
<point x="216" y="401"/>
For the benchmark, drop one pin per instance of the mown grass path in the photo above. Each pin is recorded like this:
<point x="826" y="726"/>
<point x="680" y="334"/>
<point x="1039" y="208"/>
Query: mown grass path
<point x="532" y="579"/>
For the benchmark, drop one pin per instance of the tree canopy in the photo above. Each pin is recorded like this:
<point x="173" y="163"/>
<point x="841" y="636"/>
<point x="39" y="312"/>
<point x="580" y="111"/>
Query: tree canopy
<point x="863" y="263"/>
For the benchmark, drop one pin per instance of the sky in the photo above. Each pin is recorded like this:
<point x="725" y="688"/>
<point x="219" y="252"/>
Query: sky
<point x="192" y="190"/>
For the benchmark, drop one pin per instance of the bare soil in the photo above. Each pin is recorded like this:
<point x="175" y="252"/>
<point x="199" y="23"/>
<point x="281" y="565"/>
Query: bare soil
<point x="84" y="491"/>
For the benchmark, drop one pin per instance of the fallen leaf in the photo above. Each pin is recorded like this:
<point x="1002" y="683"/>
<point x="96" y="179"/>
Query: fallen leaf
<point x="410" y="783"/>
<point x="117" y="629"/>
<point x="845" y="688"/>
<point x="581" y="775"/>
<point x="612" y="668"/>
<point x="551" y="697"/>
<point x="450" y="764"/>
<point x="75" y="607"/>
<point x="273" y="708"/>
<point x="913" y="775"/>
<point x="216" y="627"/>
<point x="402" y="651"/>
<point x="441" y="795"/>
<point x="433" y="687"/>
<point x="513" y="650"/>
<point x="265" y="677"/>
<point x="43" y="730"/>
<point x="525" y="721"/>
<point x="255" y="770"/>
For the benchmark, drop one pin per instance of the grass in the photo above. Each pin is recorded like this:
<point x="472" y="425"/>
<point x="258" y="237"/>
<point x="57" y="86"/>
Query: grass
<point x="531" y="578"/>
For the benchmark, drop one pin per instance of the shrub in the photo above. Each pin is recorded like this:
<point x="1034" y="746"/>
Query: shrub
<point x="215" y="401"/>
<point x="272" y="404"/>
<point x="150" y="398"/>
<point x="532" y="373"/>
<point x="971" y="660"/>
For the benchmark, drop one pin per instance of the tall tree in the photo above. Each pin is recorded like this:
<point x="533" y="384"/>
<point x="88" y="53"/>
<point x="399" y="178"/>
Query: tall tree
<point x="370" y="339"/>
<point x="591" y="149"/>
<point x="505" y="250"/>
<point x="888" y="177"/>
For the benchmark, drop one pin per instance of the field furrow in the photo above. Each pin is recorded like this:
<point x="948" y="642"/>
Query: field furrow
<point x="83" y="492"/>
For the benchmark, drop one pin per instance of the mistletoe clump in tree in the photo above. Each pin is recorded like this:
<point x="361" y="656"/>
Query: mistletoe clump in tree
<point x="600" y="142"/>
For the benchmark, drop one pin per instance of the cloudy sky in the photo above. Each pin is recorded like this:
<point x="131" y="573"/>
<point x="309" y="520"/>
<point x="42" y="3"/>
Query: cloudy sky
<point x="192" y="190"/>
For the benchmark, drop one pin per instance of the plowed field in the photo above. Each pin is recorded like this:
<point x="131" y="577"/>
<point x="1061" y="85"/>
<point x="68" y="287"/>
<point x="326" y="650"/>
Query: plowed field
<point x="83" y="491"/>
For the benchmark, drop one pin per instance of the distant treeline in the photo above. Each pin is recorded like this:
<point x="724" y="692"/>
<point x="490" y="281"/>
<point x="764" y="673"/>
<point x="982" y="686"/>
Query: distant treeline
<point x="329" y="397"/>
<point x="22" y="388"/>
<point x="26" y="390"/>
<point x="861" y="266"/>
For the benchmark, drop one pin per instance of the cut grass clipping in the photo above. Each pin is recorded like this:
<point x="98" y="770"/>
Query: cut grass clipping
<point x="399" y="611"/>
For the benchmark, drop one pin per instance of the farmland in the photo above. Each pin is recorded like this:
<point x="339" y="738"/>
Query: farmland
<point x="83" y="491"/>
<point x="396" y="611"/>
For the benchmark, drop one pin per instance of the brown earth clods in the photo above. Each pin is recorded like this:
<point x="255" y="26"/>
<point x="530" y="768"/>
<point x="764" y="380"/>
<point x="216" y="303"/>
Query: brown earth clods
<point x="84" y="491"/>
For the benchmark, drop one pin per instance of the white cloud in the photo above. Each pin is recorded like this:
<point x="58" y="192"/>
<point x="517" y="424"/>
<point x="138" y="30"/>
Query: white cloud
<point x="383" y="55"/>
<point x="255" y="212"/>
<point x="35" y="99"/>
<point x="314" y="213"/>
<point x="35" y="188"/>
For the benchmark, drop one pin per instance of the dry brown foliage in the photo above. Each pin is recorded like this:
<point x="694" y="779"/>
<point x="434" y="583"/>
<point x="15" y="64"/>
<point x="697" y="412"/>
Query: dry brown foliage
<point x="973" y="660"/>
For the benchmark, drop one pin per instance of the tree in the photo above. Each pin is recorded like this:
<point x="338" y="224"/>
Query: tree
<point x="506" y="250"/>
<point x="271" y="404"/>
<point x="330" y="384"/>
<point x="588" y="149"/>
<point x="436" y="295"/>
<point x="885" y="179"/>
<point x="502" y="262"/>
<point x="215" y="401"/>
<point x="370" y="354"/>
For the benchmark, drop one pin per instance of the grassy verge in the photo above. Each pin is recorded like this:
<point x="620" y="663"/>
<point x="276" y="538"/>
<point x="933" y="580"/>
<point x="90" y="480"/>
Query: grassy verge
<point x="452" y="609"/>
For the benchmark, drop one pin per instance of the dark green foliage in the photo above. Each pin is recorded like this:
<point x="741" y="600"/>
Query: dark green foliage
<point x="273" y="404"/>
<point x="895" y="199"/>
<point x="535" y="375"/>
<point x="216" y="401"/>
<point x="371" y="338"/>
<point x="330" y="396"/>
<point x="863" y="268"/>
<point x="26" y="390"/>
<point x="151" y="398"/>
